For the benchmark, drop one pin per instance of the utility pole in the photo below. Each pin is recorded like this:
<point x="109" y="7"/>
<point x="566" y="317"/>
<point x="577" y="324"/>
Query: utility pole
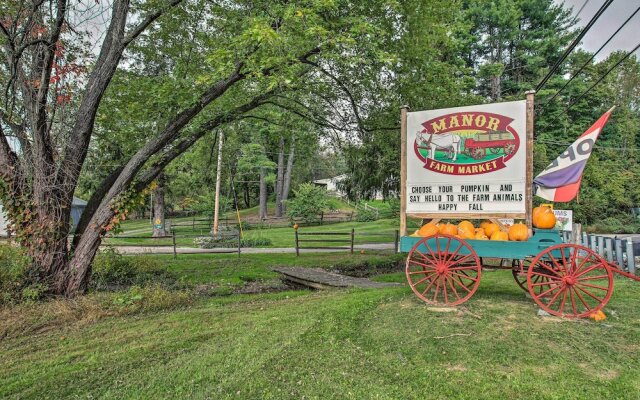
<point x="218" y="177"/>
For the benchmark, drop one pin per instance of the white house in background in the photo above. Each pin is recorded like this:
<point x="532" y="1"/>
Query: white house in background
<point x="77" y="208"/>
<point x="331" y="184"/>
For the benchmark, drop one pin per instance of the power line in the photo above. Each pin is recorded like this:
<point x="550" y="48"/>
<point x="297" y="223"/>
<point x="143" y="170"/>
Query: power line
<point x="593" y="56"/>
<point x="582" y="8"/>
<point x="604" y="76"/>
<point x="573" y="44"/>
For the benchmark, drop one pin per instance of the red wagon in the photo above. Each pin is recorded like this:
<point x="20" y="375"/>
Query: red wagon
<point x="493" y="141"/>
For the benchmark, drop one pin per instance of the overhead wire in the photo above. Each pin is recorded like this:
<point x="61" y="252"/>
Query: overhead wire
<point x="573" y="44"/>
<point x="593" y="56"/>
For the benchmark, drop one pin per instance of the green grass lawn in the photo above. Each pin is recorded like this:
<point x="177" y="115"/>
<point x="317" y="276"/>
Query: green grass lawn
<point x="280" y="237"/>
<point x="352" y="344"/>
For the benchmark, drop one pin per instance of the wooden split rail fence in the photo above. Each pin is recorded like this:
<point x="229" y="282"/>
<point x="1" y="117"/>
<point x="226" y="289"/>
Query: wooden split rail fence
<point x="337" y="240"/>
<point x="227" y="238"/>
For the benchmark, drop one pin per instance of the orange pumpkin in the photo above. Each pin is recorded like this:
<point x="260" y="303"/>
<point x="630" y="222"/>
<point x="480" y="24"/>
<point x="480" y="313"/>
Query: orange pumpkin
<point x="429" y="229"/>
<point x="481" y="236"/>
<point x="598" y="316"/>
<point x="466" y="230"/>
<point x="295" y="226"/>
<point x="543" y="218"/>
<point x="448" y="229"/>
<point x="466" y="226"/>
<point x="519" y="232"/>
<point x="499" y="235"/>
<point x="491" y="228"/>
<point x="466" y="234"/>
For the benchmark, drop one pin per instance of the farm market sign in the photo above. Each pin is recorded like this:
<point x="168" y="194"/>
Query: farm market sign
<point x="467" y="160"/>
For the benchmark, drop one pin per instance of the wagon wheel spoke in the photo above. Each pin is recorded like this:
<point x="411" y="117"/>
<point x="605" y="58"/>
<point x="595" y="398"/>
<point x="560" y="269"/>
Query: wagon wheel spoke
<point x="555" y="296"/>
<point x="453" y="288"/>
<point x="588" y="293"/>
<point x="463" y="276"/>
<point x="563" y="301"/>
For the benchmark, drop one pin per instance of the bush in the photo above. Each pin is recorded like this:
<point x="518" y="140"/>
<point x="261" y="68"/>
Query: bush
<point x="111" y="269"/>
<point x="366" y="216"/>
<point x="18" y="280"/>
<point x="207" y="242"/>
<point x="309" y="201"/>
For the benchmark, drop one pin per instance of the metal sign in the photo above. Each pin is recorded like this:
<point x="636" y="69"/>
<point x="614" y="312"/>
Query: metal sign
<point x="564" y="220"/>
<point x="467" y="161"/>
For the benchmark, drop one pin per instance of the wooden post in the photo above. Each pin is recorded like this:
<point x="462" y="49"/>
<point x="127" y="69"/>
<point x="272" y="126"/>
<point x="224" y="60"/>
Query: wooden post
<point x="403" y="170"/>
<point x="631" y="258"/>
<point x="297" y="243"/>
<point x="353" y="237"/>
<point x="216" y="206"/>
<point x="576" y="232"/>
<point x="608" y="249"/>
<point x="619" y="258"/>
<point x="321" y="217"/>
<point x="585" y="239"/>
<point x="396" y="242"/>
<point x="175" y="251"/>
<point x="528" y="194"/>
<point x="239" y="244"/>
<point x="594" y="245"/>
<point x="601" y="246"/>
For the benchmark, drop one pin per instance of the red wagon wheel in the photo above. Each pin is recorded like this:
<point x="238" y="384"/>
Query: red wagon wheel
<point x="478" y="153"/>
<point x="519" y="270"/>
<point x="579" y="281"/>
<point x="509" y="148"/>
<point x="443" y="269"/>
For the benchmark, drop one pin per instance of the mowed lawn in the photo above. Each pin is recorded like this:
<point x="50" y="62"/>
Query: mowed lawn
<point x="353" y="344"/>
<point x="383" y="231"/>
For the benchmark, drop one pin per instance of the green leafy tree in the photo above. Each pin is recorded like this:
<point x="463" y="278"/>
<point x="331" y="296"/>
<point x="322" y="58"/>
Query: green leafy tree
<point x="309" y="201"/>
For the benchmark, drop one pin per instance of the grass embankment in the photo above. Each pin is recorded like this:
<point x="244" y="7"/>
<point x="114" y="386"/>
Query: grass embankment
<point x="339" y="344"/>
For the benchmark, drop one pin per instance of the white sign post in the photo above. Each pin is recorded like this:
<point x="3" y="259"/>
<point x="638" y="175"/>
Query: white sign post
<point x="467" y="162"/>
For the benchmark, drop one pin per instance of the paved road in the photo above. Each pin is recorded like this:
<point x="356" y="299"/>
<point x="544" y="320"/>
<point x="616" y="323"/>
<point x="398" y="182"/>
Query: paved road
<point x="247" y="250"/>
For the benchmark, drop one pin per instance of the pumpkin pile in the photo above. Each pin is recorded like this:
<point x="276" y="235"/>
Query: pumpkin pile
<point x="486" y="231"/>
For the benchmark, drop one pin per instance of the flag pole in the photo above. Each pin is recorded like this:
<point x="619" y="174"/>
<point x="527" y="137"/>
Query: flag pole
<point x="528" y="194"/>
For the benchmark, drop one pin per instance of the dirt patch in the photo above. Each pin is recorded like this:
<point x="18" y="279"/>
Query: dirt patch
<point x="456" y="368"/>
<point x="270" y="286"/>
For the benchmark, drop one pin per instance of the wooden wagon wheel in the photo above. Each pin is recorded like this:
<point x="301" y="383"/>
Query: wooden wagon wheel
<point x="478" y="153"/>
<point x="443" y="269"/>
<point x="519" y="269"/>
<point x="580" y="282"/>
<point x="509" y="148"/>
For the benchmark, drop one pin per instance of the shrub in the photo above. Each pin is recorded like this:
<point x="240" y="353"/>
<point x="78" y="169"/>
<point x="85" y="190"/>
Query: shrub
<point x="366" y="216"/>
<point x="111" y="269"/>
<point x="18" y="279"/>
<point x="207" y="242"/>
<point x="309" y="201"/>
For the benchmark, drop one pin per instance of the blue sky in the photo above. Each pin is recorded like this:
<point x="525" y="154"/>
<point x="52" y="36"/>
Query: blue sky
<point x="612" y="18"/>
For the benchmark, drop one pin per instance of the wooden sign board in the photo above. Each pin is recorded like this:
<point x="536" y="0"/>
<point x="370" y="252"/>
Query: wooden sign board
<point x="467" y="162"/>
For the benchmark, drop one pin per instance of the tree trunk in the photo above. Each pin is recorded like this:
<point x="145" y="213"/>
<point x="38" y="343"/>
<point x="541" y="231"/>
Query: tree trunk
<point x="247" y="195"/>
<point x="286" y="186"/>
<point x="279" y="178"/>
<point x="263" y="195"/>
<point x="158" y="208"/>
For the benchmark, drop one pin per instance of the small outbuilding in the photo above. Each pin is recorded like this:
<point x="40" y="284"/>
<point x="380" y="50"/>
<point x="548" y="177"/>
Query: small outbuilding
<point x="77" y="208"/>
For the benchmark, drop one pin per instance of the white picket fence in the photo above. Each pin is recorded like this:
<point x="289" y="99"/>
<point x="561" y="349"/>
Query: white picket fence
<point x="619" y="251"/>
